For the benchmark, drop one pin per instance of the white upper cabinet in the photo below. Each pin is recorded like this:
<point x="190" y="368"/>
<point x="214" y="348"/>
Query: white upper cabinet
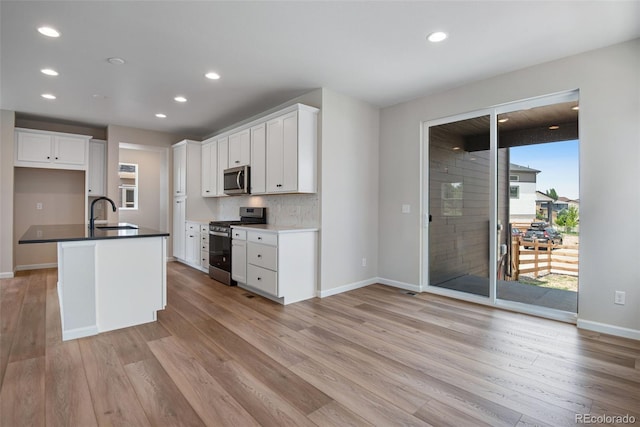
<point x="239" y="148"/>
<point x="180" y="170"/>
<point x="209" y="168"/>
<point x="291" y="152"/>
<point x="97" y="168"/>
<point x="54" y="150"/>
<point x="223" y="163"/>
<point x="258" y="159"/>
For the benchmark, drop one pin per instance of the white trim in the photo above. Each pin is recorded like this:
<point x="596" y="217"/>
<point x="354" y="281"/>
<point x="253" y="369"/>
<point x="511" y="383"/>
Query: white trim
<point x="606" y="328"/>
<point x="36" y="266"/>
<point x="7" y="275"/>
<point x="400" y="285"/>
<point x="73" y="334"/>
<point x="347" y="287"/>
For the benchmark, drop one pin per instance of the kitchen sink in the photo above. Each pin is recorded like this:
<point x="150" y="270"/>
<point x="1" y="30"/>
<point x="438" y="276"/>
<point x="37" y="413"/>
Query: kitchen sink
<point x="116" y="227"/>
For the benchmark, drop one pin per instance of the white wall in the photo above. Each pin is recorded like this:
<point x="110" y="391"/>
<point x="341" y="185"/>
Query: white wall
<point x="349" y="192"/>
<point x="609" y="84"/>
<point x="7" y="120"/>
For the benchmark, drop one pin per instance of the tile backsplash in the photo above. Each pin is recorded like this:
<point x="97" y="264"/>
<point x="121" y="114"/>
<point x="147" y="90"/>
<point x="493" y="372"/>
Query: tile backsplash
<point x="294" y="210"/>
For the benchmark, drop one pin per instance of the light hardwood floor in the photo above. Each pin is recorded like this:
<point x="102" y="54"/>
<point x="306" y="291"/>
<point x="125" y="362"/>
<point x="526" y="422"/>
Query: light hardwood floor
<point x="374" y="356"/>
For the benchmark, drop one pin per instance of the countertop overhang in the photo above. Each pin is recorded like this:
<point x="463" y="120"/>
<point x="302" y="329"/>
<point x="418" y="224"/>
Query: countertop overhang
<point x="78" y="232"/>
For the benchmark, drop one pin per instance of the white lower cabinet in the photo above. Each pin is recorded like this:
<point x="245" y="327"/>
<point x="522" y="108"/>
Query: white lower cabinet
<point x="204" y="248"/>
<point x="239" y="255"/>
<point x="281" y="263"/>
<point x="192" y="243"/>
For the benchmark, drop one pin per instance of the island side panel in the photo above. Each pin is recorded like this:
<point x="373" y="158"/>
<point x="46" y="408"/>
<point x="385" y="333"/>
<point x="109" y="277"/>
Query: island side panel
<point x="76" y="289"/>
<point x="130" y="281"/>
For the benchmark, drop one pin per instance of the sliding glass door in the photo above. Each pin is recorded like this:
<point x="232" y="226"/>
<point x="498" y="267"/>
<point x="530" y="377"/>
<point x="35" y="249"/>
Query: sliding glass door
<point x="495" y="224"/>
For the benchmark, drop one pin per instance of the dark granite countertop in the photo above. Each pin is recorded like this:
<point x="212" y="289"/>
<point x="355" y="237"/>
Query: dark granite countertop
<point x="75" y="232"/>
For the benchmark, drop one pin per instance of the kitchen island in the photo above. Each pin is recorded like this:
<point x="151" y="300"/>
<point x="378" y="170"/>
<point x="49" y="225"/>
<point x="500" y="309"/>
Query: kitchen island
<point x="109" y="278"/>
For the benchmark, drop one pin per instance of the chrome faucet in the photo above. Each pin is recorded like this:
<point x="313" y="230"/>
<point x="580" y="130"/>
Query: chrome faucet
<point x="92" y="219"/>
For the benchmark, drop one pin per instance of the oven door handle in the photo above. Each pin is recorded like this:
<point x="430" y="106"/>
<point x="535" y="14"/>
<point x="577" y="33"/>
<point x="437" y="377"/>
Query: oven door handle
<point x="217" y="233"/>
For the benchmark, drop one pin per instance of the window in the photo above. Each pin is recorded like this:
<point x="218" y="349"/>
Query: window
<point x="514" y="178"/>
<point x="128" y="174"/>
<point x="514" y="192"/>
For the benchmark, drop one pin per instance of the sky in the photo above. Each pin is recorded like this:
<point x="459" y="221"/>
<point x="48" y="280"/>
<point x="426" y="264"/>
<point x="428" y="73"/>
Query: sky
<point x="558" y="163"/>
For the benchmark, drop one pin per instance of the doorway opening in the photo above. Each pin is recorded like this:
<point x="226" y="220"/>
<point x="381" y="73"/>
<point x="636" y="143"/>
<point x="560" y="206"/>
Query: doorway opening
<point x="503" y="203"/>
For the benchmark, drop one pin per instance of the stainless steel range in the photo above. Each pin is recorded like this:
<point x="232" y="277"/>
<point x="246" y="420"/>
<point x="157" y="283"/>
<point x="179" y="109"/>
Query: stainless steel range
<point x="220" y="242"/>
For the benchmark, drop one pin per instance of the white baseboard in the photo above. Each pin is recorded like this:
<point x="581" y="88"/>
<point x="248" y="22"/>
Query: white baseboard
<point x="72" y="334"/>
<point x="347" y="287"/>
<point x="36" y="266"/>
<point x="7" y="275"/>
<point x="605" y="328"/>
<point x="401" y="285"/>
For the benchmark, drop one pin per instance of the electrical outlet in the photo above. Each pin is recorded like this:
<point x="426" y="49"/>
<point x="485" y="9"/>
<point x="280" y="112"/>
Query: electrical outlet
<point x="619" y="298"/>
<point x="39" y="206"/>
<point x="406" y="209"/>
<point x="364" y="262"/>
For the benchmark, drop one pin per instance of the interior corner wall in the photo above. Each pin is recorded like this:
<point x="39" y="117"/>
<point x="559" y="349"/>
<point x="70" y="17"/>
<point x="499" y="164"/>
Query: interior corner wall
<point x="609" y="84"/>
<point x="7" y="121"/>
<point x="122" y="134"/>
<point x="349" y="193"/>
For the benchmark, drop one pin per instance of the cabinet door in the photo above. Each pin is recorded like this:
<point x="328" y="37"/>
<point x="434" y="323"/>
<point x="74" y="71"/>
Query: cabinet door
<point x="239" y="261"/>
<point x="282" y="153"/>
<point x="209" y="169"/>
<point x="192" y="246"/>
<point x="258" y="159"/>
<point x="33" y="147"/>
<point x="223" y="163"/>
<point x="179" y="216"/>
<point x="69" y="150"/>
<point x="97" y="162"/>
<point x="180" y="170"/>
<point x="239" y="149"/>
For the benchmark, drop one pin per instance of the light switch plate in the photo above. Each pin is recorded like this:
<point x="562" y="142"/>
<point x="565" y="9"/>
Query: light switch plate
<point x="619" y="298"/>
<point x="406" y="208"/>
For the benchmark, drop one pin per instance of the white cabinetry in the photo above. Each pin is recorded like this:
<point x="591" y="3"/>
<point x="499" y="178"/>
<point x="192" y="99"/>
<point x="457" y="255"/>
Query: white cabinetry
<point x="291" y="153"/>
<point x="223" y="163"/>
<point x="53" y="150"/>
<point x="209" y="168"/>
<point x="258" y="159"/>
<point x="192" y="243"/>
<point x="97" y="168"/>
<point x="239" y="148"/>
<point x="239" y="256"/>
<point x="204" y="247"/>
<point x="180" y="170"/>
<point x="186" y="190"/>
<point x="280" y="263"/>
<point x="179" y="233"/>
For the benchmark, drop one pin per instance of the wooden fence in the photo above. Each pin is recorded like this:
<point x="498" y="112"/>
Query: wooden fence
<point x="542" y="258"/>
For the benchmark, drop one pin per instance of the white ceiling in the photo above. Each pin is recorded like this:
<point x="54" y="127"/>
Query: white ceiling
<point x="269" y="52"/>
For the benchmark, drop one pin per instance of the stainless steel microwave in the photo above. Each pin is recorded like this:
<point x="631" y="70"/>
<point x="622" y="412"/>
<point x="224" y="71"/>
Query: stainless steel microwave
<point x="236" y="180"/>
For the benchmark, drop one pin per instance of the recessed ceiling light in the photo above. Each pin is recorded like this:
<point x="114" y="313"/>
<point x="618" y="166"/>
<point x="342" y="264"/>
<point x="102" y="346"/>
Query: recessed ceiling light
<point x="437" y="36"/>
<point x="116" y="61"/>
<point x="49" y="72"/>
<point x="554" y="127"/>
<point x="161" y="116"/>
<point x="506" y="119"/>
<point x="213" y="76"/>
<point x="576" y="108"/>
<point x="49" y="32"/>
<point x="48" y="96"/>
<point x="180" y="99"/>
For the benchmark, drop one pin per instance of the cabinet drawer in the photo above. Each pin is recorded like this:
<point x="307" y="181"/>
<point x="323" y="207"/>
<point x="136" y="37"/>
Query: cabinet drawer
<point x="204" y="229"/>
<point x="238" y="234"/>
<point x="264" y="238"/>
<point x="263" y="279"/>
<point x="204" y="238"/>
<point x="191" y="226"/>
<point x="204" y="258"/>
<point x="262" y="255"/>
